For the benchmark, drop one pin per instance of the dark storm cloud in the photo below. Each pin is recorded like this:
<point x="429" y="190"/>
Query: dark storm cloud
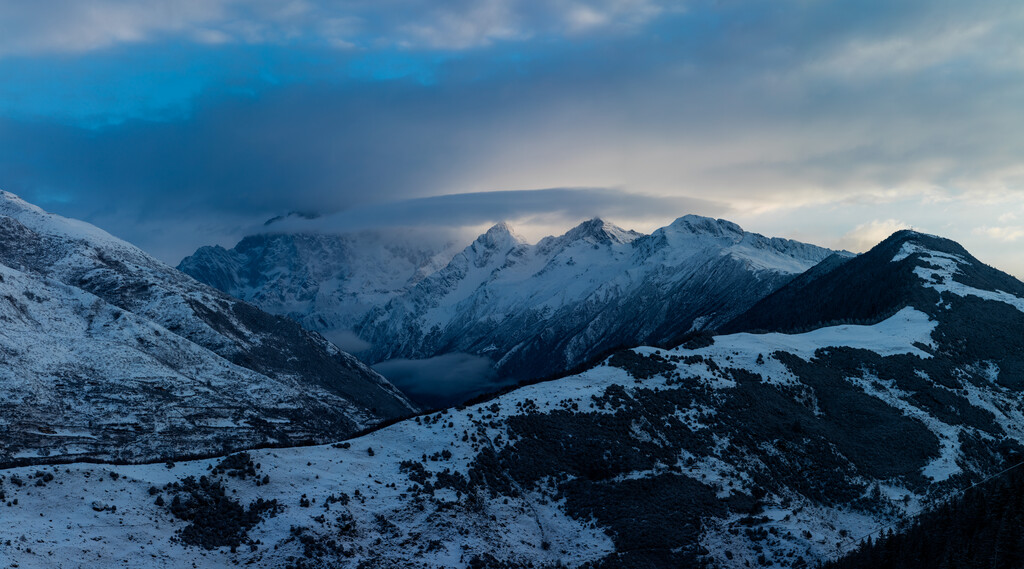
<point x="308" y="147"/>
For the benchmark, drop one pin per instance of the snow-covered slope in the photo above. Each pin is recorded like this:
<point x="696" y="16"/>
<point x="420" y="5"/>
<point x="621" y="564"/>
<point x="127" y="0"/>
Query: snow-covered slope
<point x="542" y="309"/>
<point x="111" y="354"/>
<point x="771" y="449"/>
<point x="326" y="282"/>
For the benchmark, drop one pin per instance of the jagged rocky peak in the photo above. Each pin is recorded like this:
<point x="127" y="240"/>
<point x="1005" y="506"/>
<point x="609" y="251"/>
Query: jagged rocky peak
<point x="534" y="309"/>
<point x="218" y="268"/>
<point x="498" y="241"/>
<point x="500" y="235"/>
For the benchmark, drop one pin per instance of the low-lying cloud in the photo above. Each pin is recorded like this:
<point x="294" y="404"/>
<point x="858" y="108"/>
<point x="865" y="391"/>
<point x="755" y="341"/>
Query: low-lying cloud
<point x="441" y="380"/>
<point x="346" y="339"/>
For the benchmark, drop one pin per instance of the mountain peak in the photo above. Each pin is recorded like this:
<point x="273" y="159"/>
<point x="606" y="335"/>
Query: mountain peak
<point x="904" y="235"/>
<point x="501" y="227"/>
<point x="599" y="230"/>
<point x="698" y="224"/>
<point x="500" y="235"/>
<point x="43" y="222"/>
<point x="908" y="268"/>
<point x="906" y="242"/>
<point x="9" y="197"/>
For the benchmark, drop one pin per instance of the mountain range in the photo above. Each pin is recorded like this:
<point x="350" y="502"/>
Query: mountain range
<point x="850" y="398"/>
<point x="529" y="311"/>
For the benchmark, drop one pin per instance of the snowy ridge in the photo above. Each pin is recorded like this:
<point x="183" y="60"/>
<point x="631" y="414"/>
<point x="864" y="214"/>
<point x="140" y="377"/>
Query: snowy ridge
<point x="759" y="252"/>
<point x="902" y="333"/>
<point x="138" y="361"/>
<point x="46" y="223"/>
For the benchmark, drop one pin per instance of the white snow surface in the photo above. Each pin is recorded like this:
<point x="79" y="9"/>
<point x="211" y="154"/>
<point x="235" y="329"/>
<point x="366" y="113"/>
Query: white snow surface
<point x="897" y="334"/>
<point x="139" y="534"/>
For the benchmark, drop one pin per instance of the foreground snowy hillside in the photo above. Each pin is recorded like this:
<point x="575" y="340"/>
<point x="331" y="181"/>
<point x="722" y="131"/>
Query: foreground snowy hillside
<point x="769" y="449"/>
<point x="111" y="354"/>
<point x="532" y="310"/>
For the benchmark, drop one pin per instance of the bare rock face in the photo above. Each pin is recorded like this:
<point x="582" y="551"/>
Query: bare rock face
<point x="111" y="354"/>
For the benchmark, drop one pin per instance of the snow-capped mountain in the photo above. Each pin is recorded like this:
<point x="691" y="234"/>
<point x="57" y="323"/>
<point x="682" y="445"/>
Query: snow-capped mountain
<point x="539" y="310"/>
<point x="533" y="310"/>
<point x="326" y="282"/>
<point x="111" y="354"/>
<point x="769" y="449"/>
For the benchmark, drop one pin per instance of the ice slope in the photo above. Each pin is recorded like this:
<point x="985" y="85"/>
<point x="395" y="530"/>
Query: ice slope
<point x="775" y="450"/>
<point x="112" y="354"/>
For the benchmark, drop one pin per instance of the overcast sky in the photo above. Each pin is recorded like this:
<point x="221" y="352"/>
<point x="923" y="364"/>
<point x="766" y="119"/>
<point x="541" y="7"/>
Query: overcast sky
<point x="178" y="123"/>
